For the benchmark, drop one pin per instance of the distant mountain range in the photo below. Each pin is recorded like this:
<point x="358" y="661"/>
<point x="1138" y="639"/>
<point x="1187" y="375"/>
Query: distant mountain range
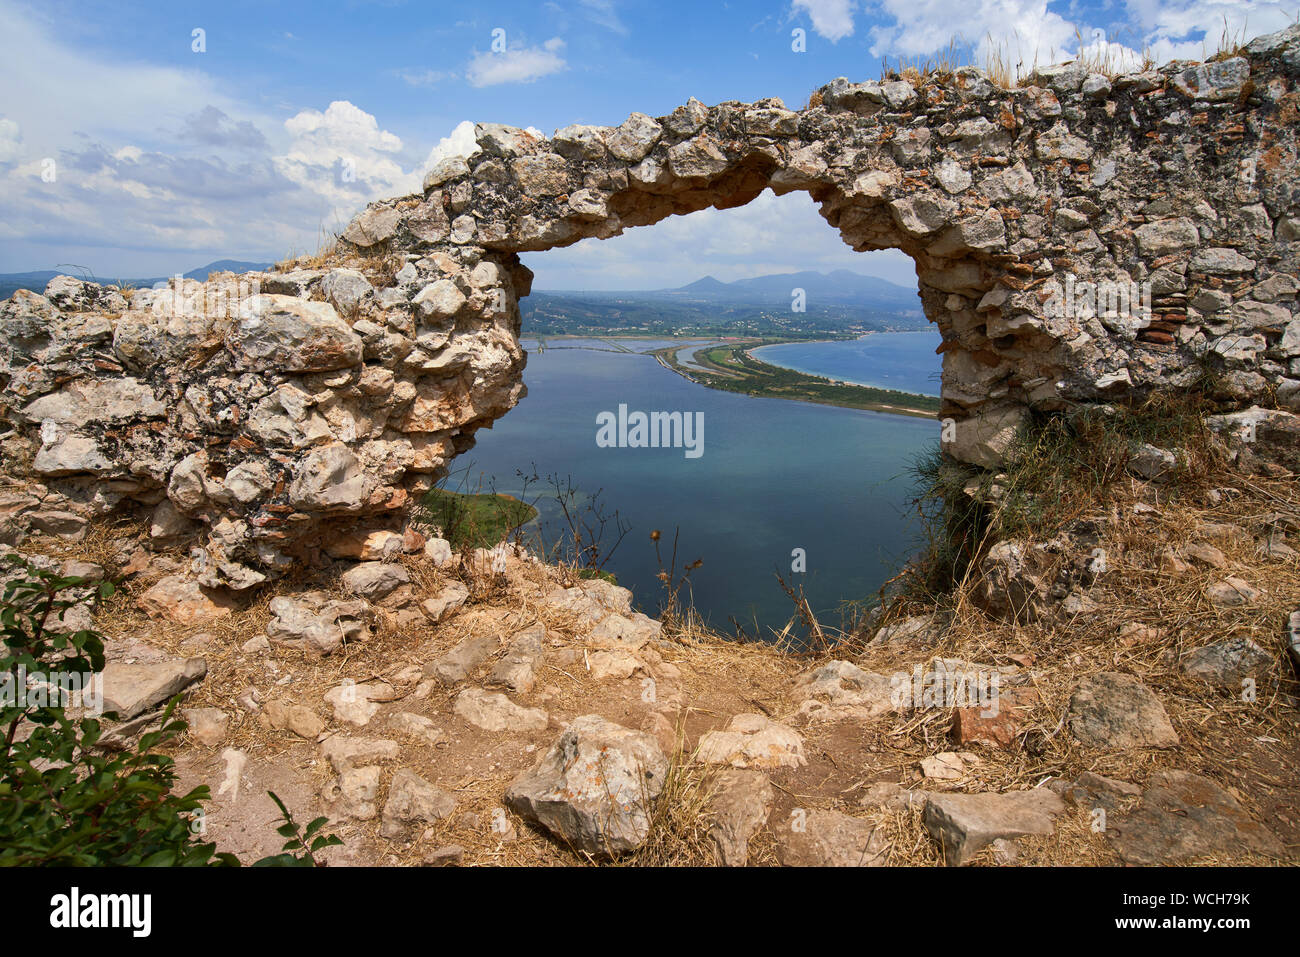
<point x="37" y="281"/>
<point x="835" y="303"/>
<point x="838" y="302"/>
<point x="840" y="286"/>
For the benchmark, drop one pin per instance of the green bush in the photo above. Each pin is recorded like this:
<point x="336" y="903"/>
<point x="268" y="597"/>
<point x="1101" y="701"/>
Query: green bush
<point x="64" y="800"/>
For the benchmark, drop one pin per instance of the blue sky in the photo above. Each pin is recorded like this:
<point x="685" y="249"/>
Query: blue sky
<point x="164" y="157"/>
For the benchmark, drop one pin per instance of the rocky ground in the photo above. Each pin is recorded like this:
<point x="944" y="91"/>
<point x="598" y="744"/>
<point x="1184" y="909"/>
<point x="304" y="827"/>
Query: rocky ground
<point x="489" y="709"/>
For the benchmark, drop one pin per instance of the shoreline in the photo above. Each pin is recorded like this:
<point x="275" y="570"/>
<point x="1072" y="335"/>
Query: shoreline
<point x="864" y="385"/>
<point x="842" y="394"/>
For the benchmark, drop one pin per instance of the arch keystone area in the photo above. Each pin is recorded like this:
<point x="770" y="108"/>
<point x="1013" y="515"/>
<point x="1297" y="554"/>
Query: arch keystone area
<point x="1078" y="239"/>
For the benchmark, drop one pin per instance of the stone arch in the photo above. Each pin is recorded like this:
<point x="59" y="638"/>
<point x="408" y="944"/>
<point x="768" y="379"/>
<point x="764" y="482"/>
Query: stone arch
<point x="303" y="418"/>
<point x="1000" y="197"/>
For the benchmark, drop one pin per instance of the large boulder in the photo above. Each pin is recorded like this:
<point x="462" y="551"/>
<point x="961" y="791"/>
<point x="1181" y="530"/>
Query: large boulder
<point x="595" y="788"/>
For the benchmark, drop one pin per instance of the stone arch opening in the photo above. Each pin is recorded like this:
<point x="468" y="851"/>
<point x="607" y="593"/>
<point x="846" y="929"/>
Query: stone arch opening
<point x="747" y="502"/>
<point x="315" y="407"/>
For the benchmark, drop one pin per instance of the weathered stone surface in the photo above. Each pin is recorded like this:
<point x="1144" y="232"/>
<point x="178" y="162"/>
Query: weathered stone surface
<point x="739" y="805"/>
<point x="752" y="741"/>
<point x="492" y="711"/>
<point x="132" y="689"/>
<point x="1227" y="663"/>
<point x="318" y="621"/>
<point x="1232" y="592"/>
<point x="207" y="726"/>
<point x="374" y="580"/>
<point x="183" y="601"/>
<point x="994" y="727"/>
<point x="298" y="718"/>
<point x="464" y="659"/>
<point x="624" y="631"/>
<point x="412" y="802"/>
<point x="356" y="703"/>
<point x="830" y="839"/>
<point x="343" y="752"/>
<point x="964" y="824"/>
<point x="595" y="788"/>
<point x="452" y="598"/>
<point x="353" y="794"/>
<point x="1116" y="712"/>
<point x="840" y="689"/>
<point x="1183" y="817"/>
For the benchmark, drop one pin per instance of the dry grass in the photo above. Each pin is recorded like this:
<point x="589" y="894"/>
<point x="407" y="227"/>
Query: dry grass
<point x="1146" y="622"/>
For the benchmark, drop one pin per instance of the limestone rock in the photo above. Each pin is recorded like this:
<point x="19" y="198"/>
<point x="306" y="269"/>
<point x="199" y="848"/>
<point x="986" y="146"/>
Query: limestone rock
<point x="1227" y="663"/>
<point x="374" y="580"/>
<point x="1184" y="816"/>
<point x="412" y="801"/>
<point x="451" y="599"/>
<point x="831" y="839"/>
<point x="356" y="703"/>
<point x="318" y="621"/>
<point x="207" y="726"/>
<point x="594" y="789"/>
<point x="840" y="689"/>
<point x="1116" y="712"/>
<point x="298" y="718"/>
<point x="738" y="807"/>
<point x="183" y="601"/>
<point x="752" y="741"/>
<point x="964" y="824"/>
<point x="344" y="752"/>
<point x="464" y="659"/>
<point x="495" y="712"/>
<point x="132" y="689"/>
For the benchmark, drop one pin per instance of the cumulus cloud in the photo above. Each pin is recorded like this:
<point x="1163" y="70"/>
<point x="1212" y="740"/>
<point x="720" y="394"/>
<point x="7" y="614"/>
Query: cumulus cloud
<point x="342" y="155"/>
<point x="1022" y="33"/>
<point x="460" y="142"/>
<point x="517" y="65"/>
<point x="833" y="19"/>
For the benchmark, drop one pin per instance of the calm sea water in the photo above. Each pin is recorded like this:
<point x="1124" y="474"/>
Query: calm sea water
<point x="886" y="360"/>
<point x="774" y="476"/>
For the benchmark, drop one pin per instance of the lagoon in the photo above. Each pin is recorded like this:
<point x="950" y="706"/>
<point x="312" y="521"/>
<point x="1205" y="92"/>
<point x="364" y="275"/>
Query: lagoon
<point x="886" y="360"/>
<point x="773" y="476"/>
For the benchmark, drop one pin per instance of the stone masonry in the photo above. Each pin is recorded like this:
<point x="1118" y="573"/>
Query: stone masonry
<point x="285" y="415"/>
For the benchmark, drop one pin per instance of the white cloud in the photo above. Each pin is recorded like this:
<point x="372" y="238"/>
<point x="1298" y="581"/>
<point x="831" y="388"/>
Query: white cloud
<point x="602" y="13"/>
<point x="53" y="90"/>
<point x="10" y="140"/>
<point x="1023" y="33"/>
<point x="833" y="19"/>
<point x="460" y="142"/>
<point x="519" y="65"/>
<point x="423" y="78"/>
<point x="343" y="156"/>
<point x="769" y="235"/>
<point x="1192" y="29"/>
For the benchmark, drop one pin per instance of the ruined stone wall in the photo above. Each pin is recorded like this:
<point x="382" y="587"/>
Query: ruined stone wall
<point x="294" y="422"/>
